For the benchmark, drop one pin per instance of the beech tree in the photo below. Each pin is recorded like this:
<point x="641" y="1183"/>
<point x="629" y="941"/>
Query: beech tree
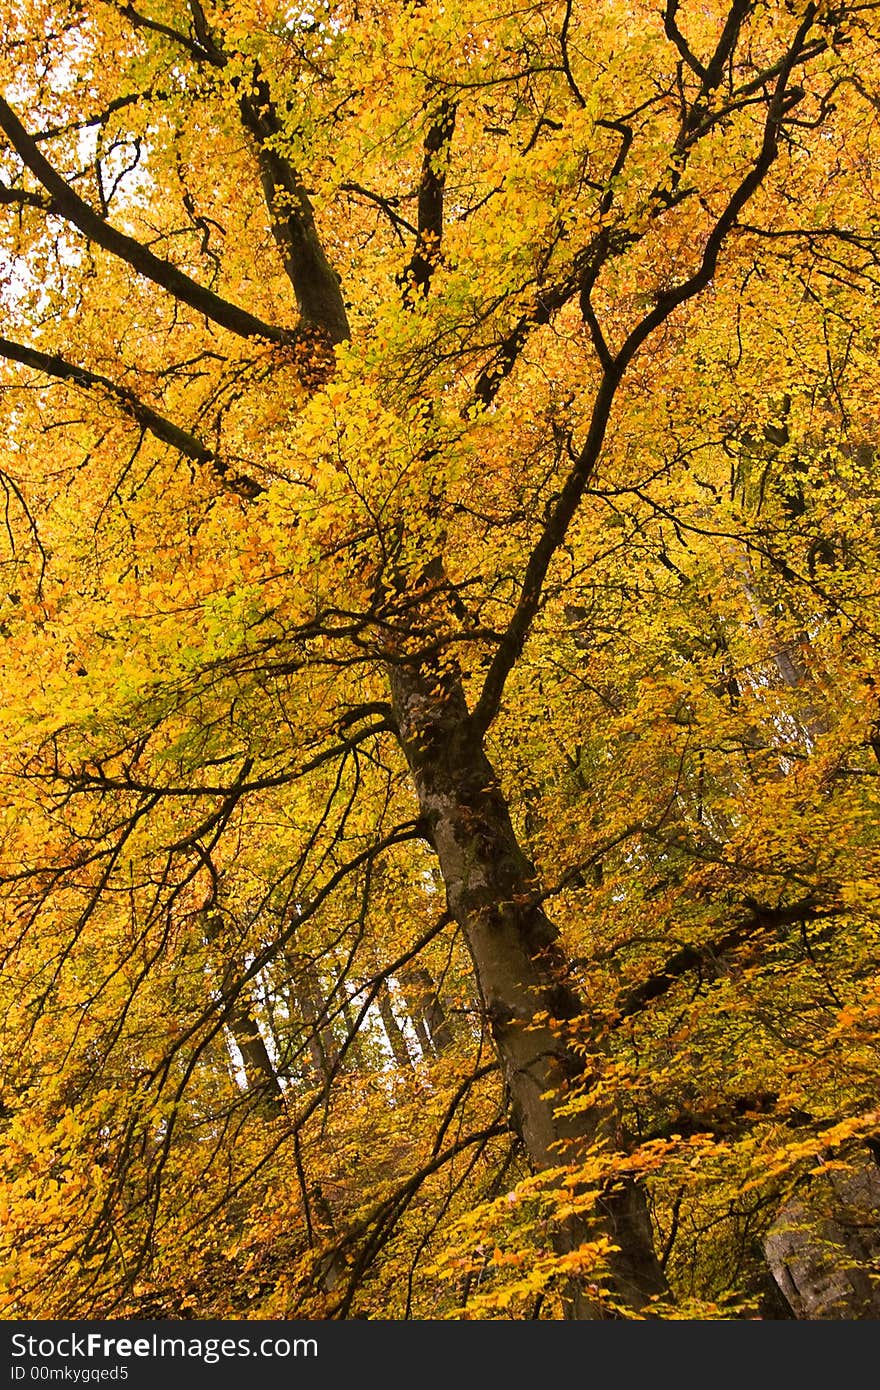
<point x="439" y="798"/>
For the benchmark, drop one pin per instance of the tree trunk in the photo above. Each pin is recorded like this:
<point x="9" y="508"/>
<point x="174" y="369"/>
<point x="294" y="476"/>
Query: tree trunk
<point x="824" y="1250"/>
<point x="308" y="995"/>
<point x="417" y="1018"/>
<point x="260" y="1074"/>
<point x="520" y="969"/>
<point x="354" y="1059"/>
<point x="393" y="1031"/>
<point x="428" y="1014"/>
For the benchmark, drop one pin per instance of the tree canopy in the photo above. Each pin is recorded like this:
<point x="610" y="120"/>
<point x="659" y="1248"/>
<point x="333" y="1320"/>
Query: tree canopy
<point x="441" y="724"/>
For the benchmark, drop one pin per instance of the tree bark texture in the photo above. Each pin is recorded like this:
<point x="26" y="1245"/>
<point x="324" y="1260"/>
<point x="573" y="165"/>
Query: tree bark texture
<point x="260" y="1074"/>
<point x="824" y="1250"/>
<point x="519" y="965"/>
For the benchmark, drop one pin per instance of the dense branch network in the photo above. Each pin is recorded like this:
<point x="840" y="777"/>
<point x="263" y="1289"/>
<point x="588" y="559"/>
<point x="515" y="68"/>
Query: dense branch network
<point x="317" y="868"/>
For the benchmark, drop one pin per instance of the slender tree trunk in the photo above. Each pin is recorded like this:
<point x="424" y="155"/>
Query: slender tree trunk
<point x="260" y="1074"/>
<point x="393" y="1031"/>
<point x="308" y="995"/>
<point x="417" y="1018"/>
<point x="354" y="1058"/>
<point x="414" y="994"/>
<point x="520" y="969"/>
<point x="428" y="1014"/>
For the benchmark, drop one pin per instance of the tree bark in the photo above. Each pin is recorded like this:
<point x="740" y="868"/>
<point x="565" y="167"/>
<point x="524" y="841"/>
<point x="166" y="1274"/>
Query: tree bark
<point x="260" y="1074"/>
<point x="428" y="1015"/>
<point x="417" y="1017"/>
<point x="824" y="1250"/>
<point x="393" y="1031"/>
<point x="520" y="968"/>
<point x="308" y="997"/>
